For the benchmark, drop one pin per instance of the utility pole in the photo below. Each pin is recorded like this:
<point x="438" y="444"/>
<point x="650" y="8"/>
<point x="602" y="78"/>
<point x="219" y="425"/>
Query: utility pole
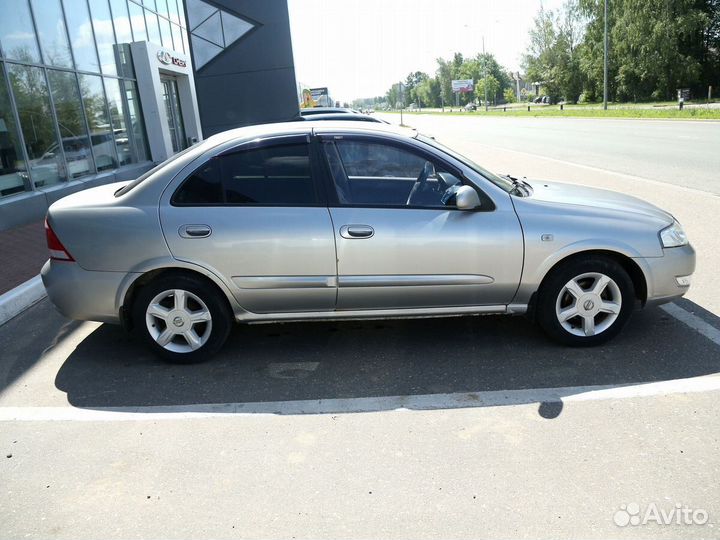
<point x="485" y="73"/>
<point x="605" y="60"/>
<point x="402" y="103"/>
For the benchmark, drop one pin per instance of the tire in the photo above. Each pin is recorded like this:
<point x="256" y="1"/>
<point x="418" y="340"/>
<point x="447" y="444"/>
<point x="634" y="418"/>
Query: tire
<point x="574" y="286"/>
<point x="183" y="319"/>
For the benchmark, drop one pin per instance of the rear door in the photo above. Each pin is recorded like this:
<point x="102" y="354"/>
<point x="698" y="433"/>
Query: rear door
<point x="256" y="216"/>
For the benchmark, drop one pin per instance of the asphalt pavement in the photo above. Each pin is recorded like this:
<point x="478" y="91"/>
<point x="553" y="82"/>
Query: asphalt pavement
<point x="682" y="153"/>
<point x="460" y="427"/>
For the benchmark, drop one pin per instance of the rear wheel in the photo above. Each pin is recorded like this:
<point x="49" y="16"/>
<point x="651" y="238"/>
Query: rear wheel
<point x="183" y="319"/>
<point x="585" y="302"/>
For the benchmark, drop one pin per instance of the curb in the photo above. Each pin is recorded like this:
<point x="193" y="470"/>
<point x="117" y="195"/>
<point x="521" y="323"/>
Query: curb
<point x="17" y="300"/>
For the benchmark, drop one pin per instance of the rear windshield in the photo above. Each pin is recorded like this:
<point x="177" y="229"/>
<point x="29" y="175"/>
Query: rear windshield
<point x="129" y="187"/>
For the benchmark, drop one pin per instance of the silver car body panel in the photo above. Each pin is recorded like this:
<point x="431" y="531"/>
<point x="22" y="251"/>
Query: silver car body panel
<point x="291" y="250"/>
<point x="294" y="263"/>
<point x="465" y="258"/>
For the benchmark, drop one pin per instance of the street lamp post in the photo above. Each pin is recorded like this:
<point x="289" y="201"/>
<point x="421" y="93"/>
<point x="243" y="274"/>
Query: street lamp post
<point x="485" y="73"/>
<point x="605" y="60"/>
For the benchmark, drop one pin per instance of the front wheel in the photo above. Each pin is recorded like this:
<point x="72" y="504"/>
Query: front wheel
<point x="183" y="319"/>
<point x="585" y="302"/>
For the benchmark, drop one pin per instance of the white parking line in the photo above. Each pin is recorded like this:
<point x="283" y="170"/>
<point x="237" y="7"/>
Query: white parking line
<point x="423" y="402"/>
<point x="693" y="321"/>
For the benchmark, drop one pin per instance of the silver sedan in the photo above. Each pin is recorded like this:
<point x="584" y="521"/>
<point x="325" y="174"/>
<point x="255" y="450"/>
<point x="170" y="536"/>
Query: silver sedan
<point x="352" y="220"/>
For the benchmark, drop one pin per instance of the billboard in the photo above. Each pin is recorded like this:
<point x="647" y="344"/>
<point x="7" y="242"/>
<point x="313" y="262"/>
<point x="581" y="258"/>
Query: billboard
<point x="463" y="86"/>
<point x="314" y="97"/>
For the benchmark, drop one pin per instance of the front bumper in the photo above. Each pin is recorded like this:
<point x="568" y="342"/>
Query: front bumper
<point x="661" y="274"/>
<point x="83" y="294"/>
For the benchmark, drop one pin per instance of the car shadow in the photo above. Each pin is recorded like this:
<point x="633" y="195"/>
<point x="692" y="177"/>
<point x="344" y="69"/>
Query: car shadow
<point x="348" y="366"/>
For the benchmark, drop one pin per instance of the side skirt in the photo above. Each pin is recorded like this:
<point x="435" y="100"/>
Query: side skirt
<point x="375" y="314"/>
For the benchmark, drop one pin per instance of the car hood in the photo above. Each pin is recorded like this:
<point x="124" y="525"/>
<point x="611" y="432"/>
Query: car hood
<point x="558" y="193"/>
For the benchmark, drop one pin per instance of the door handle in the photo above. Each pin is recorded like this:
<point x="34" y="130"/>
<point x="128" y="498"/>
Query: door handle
<point x="356" y="231"/>
<point x="195" y="231"/>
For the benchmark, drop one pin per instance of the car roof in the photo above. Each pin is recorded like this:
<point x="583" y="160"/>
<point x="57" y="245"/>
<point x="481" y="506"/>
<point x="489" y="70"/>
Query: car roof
<point x="288" y="128"/>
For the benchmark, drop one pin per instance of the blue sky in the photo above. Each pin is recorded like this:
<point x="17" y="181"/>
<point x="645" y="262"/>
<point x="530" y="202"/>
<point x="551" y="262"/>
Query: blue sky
<point x="358" y="48"/>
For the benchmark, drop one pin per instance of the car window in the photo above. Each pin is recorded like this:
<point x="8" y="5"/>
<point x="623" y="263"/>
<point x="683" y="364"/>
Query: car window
<point x="376" y="174"/>
<point x="202" y="187"/>
<point x="273" y="175"/>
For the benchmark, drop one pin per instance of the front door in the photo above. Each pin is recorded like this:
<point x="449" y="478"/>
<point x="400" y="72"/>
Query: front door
<point x="176" y="127"/>
<point x="402" y="244"/>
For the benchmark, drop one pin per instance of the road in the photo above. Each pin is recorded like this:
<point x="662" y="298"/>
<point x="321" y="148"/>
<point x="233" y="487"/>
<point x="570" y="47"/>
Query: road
<point x="683" y="153"/>
<point x="460" y="427"/>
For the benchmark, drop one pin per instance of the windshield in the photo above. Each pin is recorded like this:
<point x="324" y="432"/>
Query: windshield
<point x="503" y="183"/>
<point x="129" y="187"/>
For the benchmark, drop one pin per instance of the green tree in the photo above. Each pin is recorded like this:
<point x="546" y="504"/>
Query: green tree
<point x="656" y="46"/>
<point x="553" y="58"/>
<point x="428" y="93"/>
<point x="493" y="87"/>
<point x="509" y="95"/>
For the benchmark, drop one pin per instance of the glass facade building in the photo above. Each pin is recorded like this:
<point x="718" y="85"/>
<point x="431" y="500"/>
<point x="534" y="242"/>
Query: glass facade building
<point x="70" y="104"/>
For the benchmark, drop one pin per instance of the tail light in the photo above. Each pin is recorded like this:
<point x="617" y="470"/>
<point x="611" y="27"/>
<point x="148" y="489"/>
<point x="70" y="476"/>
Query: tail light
<point x="57" y="250"/>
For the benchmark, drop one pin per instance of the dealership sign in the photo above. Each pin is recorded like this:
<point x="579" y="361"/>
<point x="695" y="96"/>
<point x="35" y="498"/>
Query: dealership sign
<point x="463" y="86"/>
<point x="166" y="58"/>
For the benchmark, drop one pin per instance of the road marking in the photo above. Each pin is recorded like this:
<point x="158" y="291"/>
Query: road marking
<point x="693" y="321"/>
<point x="600" y="169"/>
<point x="423" y="402"/>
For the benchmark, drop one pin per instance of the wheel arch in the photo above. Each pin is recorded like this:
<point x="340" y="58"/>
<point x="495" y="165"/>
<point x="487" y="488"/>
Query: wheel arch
<point x="132" y="288"/>
<point x="636" y="273"/>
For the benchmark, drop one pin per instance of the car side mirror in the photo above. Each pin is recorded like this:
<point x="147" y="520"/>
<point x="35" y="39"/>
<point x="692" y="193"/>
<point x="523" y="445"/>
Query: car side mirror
<point x="466" y="198"/>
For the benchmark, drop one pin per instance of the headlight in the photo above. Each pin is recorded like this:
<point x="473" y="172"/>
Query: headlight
<point x="673" y="236"/>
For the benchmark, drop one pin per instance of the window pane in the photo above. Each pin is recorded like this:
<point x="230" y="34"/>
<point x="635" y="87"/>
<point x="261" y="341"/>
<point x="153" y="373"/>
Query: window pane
<point x="122" y="21"/>
<point x="36" y="121"/>
<point x="177" y="39"/>
<point x="149" y="3"/>
<point x="166" y="33"/>
<point x="152" y="28"/>
<point x="181" y="13"/>
<point x="174" y="13"/>
<point x="102" y="23"/>
<point x="71" y="122"/>
<point x="51" y="30"/>
<point x="373" y="160"/>
<point x="103" y="143"/>
<point x="201" y="187"/>
<point x="138" y="22"/>
<point x="273" y="175"/>
<point x="137" y="127"/>
<point x="162" y="7"/>
<point x="117" y="116"/>
<point x="81" y="35"/>
<point x="17" y="35"/>
<point x="384" y="175"/>
<point x="12" y="164"/>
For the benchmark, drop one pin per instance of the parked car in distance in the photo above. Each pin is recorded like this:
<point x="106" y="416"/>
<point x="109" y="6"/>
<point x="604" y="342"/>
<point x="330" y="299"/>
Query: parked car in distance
<point x="470" y="107"/>
<point x="352" y="220"/>
<point x="327" y="110"/>
<point x="345" y="117"/>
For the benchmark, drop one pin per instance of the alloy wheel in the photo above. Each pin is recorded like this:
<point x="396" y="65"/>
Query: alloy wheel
<point x="588" y="304"/>
<point x="179" y="321"/>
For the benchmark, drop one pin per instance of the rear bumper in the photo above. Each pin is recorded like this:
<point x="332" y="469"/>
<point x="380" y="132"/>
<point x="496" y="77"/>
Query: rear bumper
<point x="82" y="294"/>
<point x="662" y="273"/>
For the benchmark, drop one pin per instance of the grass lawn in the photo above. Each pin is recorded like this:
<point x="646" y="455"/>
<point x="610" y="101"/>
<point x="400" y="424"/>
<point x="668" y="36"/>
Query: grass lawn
<point x="584" y="111"/>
